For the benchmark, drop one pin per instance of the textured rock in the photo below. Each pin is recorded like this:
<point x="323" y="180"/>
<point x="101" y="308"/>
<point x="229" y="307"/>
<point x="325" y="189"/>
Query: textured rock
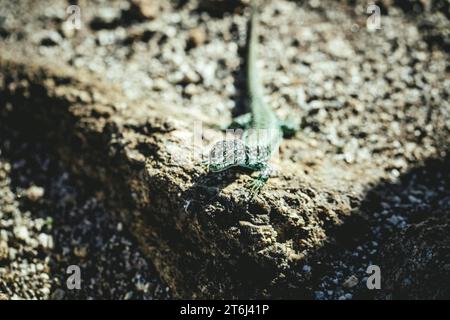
<point x="423" y="271"/>
<point x="368" y="115"/>
<point x="203" y="233"/>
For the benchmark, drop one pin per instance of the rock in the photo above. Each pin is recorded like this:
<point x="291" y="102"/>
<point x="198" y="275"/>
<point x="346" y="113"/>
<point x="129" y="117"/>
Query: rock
<point x="58" y="294"/>
<point x="46" y="241"/>
<point x="339" y="48"/>
<point x="67" y="29"/>
<point x="165" y="189"/>
<point x="21" y="232"/>
<point x="415" y="262"/>
<point x="197" y="37"/>
<point x="319" y="295"/>
<point x="106" y="107"/>
<point x="4" y="252"/>
<point x="34" y="193"/>
<point x="12" y="254"/>
<point x="80" y="252"/>
<point x="147" y="8"/>
<point x="45" y="291"/>
<point x="350" y="282"/>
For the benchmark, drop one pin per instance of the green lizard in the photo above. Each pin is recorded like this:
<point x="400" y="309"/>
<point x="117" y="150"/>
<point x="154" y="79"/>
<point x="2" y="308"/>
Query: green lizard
<point x="262" y="131"/>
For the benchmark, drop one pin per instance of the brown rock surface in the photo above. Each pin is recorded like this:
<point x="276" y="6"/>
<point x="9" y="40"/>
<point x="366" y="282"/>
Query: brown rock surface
<point x="125" y="120"/>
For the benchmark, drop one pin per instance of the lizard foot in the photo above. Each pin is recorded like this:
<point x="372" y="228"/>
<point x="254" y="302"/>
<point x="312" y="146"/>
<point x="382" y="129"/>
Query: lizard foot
<point x="289" y="128"/>
<point x="255" y="187"/>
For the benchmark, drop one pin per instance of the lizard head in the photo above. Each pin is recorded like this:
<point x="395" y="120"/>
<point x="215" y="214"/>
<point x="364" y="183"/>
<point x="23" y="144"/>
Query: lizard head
<point x="225" y="154"/>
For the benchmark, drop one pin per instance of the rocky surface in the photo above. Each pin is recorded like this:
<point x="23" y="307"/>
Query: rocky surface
<point x="421" y="274"/>
<point x="119" y="100"/>
<point x="49" y="221"/>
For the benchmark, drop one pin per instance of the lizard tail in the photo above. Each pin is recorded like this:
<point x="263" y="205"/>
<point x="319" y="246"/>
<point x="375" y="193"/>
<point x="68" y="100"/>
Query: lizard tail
<point x="260" y="111"/>
<point x="252" y="71"/>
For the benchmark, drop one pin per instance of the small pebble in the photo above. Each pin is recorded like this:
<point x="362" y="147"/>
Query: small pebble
<point x="350" y="282"/>
<point x="197" y="37"/>
<point x="21" y="232"/>
<point x="34" y="193"/>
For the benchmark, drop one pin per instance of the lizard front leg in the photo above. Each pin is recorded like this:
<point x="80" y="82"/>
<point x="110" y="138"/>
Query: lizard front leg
<point x="241" y="122"/>
<point x="289" y="127"/>
<point x="258" y="183"/>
